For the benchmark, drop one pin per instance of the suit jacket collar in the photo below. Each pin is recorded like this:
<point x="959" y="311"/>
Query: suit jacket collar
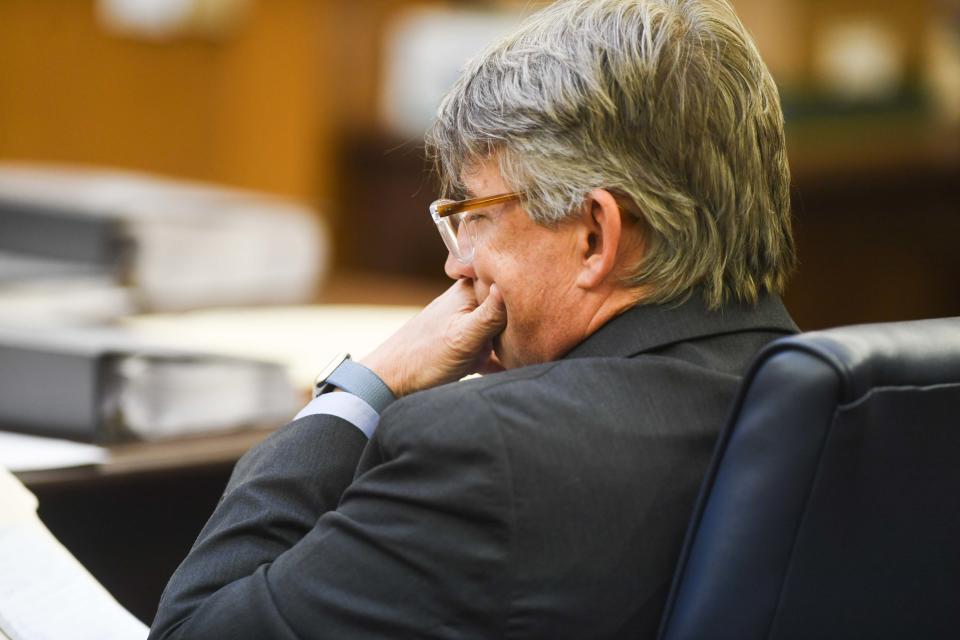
<point x="648" y="327"/>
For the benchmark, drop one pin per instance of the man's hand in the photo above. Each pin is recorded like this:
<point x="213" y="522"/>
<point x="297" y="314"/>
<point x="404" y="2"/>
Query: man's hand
<point x="452" y="337"/>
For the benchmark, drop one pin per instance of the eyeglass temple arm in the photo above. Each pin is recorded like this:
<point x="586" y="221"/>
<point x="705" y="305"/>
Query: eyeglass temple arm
<point x="445" y="209"/>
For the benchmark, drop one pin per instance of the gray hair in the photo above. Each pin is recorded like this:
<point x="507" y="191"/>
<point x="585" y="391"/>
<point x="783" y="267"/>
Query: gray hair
<point x="665" y="102"/>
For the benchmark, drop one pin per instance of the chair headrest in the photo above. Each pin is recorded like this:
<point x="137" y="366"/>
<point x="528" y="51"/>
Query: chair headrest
<point x="866" y="356"/>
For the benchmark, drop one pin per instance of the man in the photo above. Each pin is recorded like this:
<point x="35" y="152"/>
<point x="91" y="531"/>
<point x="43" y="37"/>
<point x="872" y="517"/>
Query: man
<point x="624" y="238"/>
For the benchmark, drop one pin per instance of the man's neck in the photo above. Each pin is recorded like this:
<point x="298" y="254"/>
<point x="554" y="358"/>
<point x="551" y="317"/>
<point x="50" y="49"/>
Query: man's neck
<point x="618" y="301"/>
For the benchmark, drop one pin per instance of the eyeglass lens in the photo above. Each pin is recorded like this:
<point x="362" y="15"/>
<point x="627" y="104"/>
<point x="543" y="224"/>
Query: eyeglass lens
<point x="457" y="235"/>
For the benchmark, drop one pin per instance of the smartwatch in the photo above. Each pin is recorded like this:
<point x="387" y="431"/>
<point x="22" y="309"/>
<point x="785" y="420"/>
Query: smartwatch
<point x="353" y="377"/>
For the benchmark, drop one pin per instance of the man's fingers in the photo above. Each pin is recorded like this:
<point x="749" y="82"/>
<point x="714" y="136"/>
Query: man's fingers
<point x="474" y="330"/>
<point x="490" y="317"/>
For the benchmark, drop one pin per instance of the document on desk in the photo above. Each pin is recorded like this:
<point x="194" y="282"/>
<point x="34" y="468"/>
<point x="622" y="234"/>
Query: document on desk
<point x="23" y="452"/>
<point x="45" y="593"/>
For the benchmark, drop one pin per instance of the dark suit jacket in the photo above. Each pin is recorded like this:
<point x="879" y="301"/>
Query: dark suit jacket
<point x="543" y="502"/>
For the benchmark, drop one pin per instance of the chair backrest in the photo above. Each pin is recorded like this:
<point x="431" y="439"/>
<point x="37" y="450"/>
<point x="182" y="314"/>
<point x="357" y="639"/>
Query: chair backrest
<point x="832" y="506"/>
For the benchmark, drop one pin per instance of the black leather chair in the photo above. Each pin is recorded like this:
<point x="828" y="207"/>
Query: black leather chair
<point x="832" y="507"/>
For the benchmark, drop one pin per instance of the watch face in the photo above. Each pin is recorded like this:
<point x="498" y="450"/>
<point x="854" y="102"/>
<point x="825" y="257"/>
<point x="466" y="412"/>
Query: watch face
<point x="330" y="368"/>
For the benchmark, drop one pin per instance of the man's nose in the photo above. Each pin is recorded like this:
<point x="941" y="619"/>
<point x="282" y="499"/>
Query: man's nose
<point x="456" y="269"/>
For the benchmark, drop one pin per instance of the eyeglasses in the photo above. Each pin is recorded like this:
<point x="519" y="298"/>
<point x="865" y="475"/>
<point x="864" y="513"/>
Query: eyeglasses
<point x="455" y="223"/>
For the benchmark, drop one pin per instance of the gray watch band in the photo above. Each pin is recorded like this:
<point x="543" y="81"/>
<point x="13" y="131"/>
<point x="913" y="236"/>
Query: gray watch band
<point x="355" y="378"/>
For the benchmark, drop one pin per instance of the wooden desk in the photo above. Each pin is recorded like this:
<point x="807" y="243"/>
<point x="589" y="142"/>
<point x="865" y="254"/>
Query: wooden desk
<point x="127" y="460"/>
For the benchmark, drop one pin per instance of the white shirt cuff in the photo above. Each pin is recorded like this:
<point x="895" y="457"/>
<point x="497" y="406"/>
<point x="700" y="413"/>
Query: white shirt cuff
<point x="343" y="405"/>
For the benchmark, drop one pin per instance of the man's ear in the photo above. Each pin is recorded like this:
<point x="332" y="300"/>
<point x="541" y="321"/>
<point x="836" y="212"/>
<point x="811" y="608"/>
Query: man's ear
<point x="598" y="238"/>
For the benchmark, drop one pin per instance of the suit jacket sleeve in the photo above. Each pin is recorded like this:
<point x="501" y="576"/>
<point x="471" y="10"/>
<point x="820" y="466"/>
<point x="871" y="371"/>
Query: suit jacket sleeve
<point x="414" y="547"/>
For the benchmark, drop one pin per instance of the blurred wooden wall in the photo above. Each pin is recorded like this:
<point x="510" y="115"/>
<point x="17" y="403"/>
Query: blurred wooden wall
<point x="248" y="109"/>
<point x="287" y="103"/>
<point x="275" y="104"/>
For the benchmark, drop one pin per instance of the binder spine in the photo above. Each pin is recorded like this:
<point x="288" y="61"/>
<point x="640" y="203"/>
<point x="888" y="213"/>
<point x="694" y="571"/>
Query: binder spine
<point x="60" y="233"/>
<point x="49" y="393"/>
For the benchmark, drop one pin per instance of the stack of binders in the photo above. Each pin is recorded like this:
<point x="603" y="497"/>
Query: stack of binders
<point x="78" y="238"/>
<point x="81" y="248"/>
<point x="104" y="385"/>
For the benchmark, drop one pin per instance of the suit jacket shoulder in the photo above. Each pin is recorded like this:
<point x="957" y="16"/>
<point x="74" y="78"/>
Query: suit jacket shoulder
<point x="598" y="458"/>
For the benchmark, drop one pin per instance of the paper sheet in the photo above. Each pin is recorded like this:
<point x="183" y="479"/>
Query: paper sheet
<point x="17" y="504"/>
<point x="45" y="593"/>
<point x="21" y="452"/>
